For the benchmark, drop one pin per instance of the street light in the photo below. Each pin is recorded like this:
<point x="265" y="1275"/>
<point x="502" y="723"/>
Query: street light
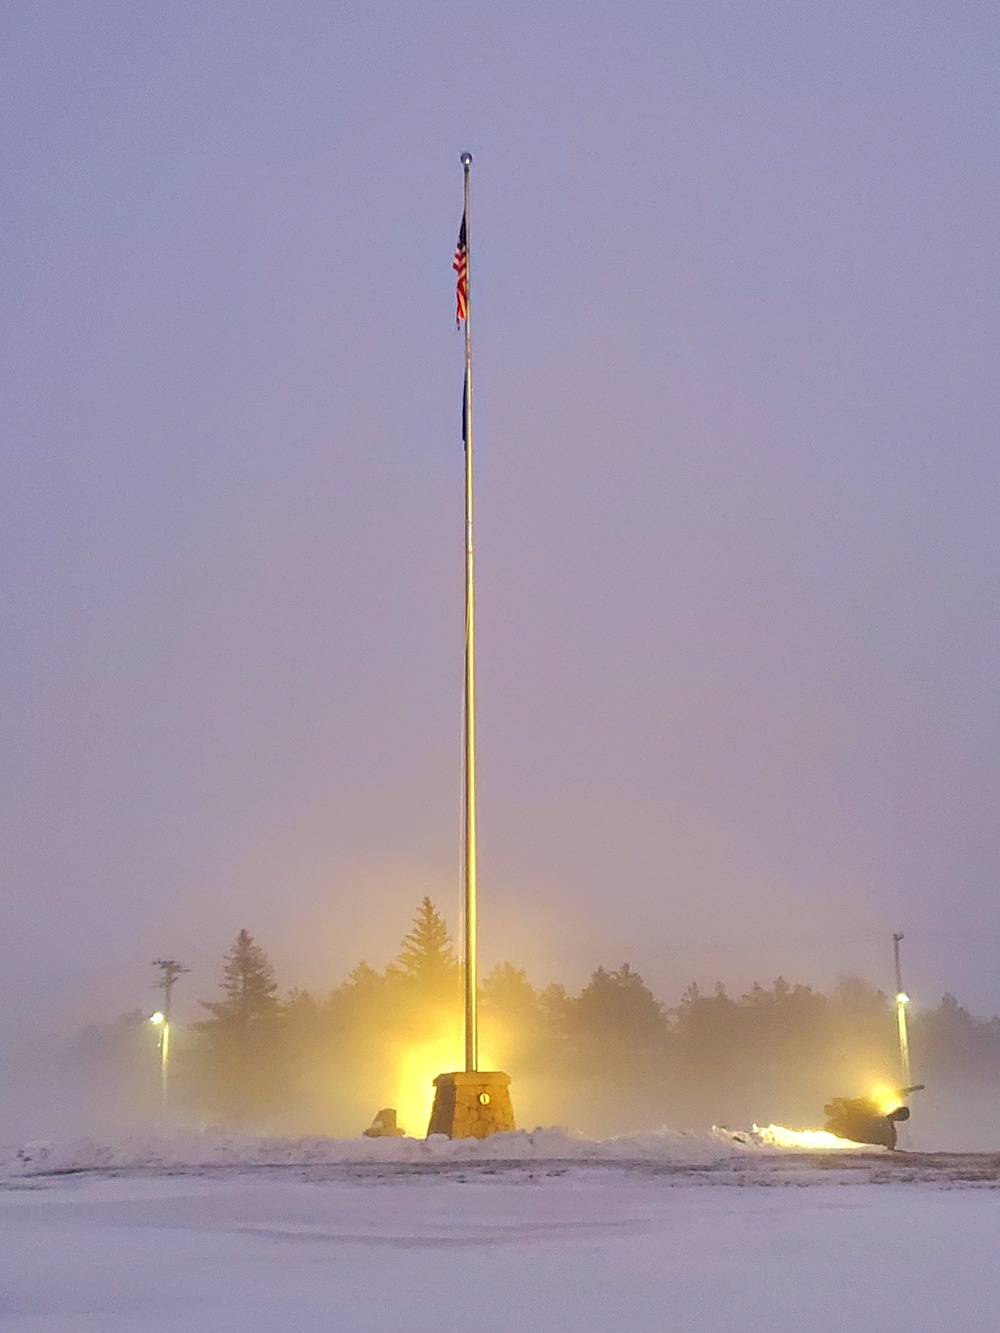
<point x="160" y="1020"/>
<point x="902" y="1000"/>
<point x="170" y="969"/>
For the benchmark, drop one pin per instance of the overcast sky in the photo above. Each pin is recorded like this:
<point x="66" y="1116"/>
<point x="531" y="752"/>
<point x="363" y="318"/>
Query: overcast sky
<point x="735" y="287"/>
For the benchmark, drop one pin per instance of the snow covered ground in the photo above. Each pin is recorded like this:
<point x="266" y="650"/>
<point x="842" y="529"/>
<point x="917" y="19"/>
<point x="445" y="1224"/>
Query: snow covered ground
<point x="541" y="1231"/>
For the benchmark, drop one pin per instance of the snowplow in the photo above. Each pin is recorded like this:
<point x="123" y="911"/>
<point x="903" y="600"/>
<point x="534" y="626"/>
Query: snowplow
<point x="868" y="1119"/>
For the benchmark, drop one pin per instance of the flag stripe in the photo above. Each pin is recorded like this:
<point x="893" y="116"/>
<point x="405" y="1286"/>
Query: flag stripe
<point x="461" y="266"/>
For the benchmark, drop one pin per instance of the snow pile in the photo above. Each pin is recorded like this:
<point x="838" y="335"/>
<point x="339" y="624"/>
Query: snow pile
<point x="165" y="1151"/>
<point x="179" y="1150"/>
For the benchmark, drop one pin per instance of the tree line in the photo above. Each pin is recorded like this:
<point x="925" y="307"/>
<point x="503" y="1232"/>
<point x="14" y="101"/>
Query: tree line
<point x="612" y="1058"/>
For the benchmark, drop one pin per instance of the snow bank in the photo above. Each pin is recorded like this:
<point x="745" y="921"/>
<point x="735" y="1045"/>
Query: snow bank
<point x="165" y="1151"/>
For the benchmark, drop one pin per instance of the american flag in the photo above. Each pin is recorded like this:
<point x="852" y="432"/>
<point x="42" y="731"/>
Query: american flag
<point x="461" y="266"/>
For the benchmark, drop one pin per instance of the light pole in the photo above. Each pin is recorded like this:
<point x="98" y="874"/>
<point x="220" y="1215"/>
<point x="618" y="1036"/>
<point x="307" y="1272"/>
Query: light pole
<point x="902" y="1000"/>
<point x="159" y="1019"/>
<point x="170" y="970"/>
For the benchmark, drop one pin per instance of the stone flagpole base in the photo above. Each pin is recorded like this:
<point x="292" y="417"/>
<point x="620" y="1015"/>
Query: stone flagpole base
<point x="471" y="1105"/>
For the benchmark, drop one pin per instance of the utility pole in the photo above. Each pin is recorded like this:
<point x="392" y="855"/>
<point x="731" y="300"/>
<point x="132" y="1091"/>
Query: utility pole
<point x="170" y="970"/>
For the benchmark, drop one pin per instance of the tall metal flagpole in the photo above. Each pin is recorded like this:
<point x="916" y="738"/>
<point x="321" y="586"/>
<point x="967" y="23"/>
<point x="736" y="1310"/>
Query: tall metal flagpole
<point x="470" y="1103"/>
<point x="471" y="961"/>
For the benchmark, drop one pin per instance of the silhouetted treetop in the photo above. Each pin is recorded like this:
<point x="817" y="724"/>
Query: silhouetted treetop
<point x="508" y="995"/>
<point x="427" y="954"/>
<point x="619" y="999"/>
<point x="248" y="982"/>
<point x="241" y="1054"/>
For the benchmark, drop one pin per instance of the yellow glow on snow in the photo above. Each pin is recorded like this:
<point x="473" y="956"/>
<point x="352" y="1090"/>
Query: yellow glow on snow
<point x="781" y="1137"/>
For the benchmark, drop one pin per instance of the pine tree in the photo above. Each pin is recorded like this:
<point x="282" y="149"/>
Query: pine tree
<point x="618" y="1007"/>
<point x="249" y="984"/>
<point x="509" y="994"/>
<point x="242" y="1054"/>
<point x="427" y="955"/>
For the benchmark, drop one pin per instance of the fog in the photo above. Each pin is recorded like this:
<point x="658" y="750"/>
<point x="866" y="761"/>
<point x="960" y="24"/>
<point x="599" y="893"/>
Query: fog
<point x="610" y="1057"/>
<point x="736" y="289"/>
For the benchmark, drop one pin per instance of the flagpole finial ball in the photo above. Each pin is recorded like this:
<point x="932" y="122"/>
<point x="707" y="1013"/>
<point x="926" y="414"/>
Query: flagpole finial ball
<point x="466" y="159"/>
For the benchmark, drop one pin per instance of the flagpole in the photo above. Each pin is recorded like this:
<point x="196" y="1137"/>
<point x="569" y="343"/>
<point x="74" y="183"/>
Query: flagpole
<point x="469" y="1103"/>
<point x="471" y="866"/>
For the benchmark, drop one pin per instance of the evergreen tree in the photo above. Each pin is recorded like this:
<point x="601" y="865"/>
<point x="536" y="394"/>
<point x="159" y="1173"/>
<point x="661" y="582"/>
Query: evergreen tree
<point x="787" y="1026"/>
<point x="248" y="982"/>
<point x="712" y="1049"/>
<point x="242" y="1056"/>
<point x="618" y="1007"/>
<point x="509" y="994"/>
<point x="427" y="956"/>
<point x="517" y="1025"/>
<point x="864" y="1029"/>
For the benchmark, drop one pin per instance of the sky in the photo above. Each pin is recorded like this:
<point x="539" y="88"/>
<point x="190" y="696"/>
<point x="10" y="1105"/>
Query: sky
<point x="735" y="300"/>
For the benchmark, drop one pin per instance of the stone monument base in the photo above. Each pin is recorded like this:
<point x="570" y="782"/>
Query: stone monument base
<point x="471" y="1105"/>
